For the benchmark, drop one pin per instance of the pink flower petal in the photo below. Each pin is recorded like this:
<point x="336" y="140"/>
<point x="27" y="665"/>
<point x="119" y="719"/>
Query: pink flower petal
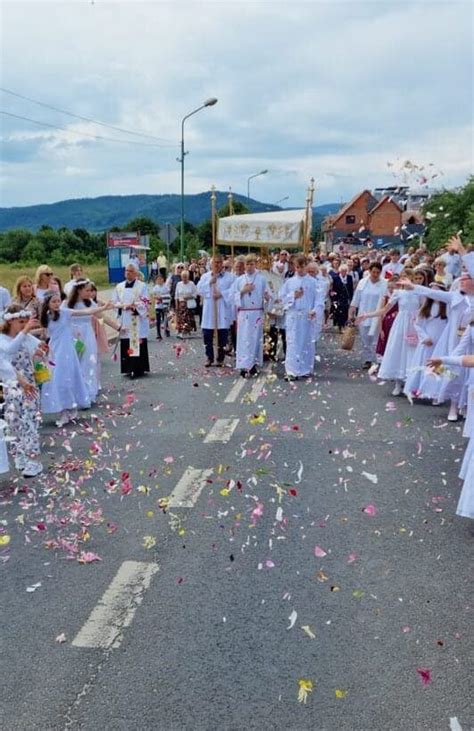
<point x="320" y="552"/>
<point x="425" y="675"/>
<point x="370" y="510"/>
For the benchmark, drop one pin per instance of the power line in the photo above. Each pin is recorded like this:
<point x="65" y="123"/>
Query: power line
<point x="81" y="134"/>
<point x="84" y="119"/>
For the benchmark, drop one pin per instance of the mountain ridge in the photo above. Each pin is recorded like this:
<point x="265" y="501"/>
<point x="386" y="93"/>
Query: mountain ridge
<point x="104" y="212"/>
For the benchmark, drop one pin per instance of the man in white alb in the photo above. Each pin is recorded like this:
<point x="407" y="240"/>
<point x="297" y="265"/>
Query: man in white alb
<point x="251" y="292"/>
<point x="299" y="297"/>
<point x="214" y="288"/>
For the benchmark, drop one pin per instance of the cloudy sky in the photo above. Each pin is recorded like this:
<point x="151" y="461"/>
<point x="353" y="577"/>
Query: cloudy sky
<point x="334" y="90"/>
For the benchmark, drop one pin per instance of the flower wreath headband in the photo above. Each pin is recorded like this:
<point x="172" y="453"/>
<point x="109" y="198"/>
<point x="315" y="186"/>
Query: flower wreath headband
<point x="81" y="282"/>
<point x="22" y="315"/>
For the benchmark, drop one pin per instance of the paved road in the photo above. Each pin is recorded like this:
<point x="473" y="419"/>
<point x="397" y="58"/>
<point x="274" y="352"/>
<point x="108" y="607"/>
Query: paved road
<point x="317" y="543"/>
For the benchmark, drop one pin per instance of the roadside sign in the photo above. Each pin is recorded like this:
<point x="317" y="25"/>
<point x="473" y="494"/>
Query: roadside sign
<point x="168" y="233"/>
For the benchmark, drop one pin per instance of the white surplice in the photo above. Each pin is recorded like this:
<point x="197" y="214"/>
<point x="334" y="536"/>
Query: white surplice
<point x="300" y="332"/>
<point x="250" y="319"/>
<point x="139" y="297"/>
<point x="210" y="306"/>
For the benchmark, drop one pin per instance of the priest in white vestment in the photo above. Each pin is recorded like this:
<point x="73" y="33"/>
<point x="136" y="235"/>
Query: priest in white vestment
<point x="299" y="296"/>
<point x="251" y="293"/>
<point x="132" y="301"/>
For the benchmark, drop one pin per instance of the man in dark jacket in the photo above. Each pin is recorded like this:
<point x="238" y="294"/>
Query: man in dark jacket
<point x="342" y="289"/>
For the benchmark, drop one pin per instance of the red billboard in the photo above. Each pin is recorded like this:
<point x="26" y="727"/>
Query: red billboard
<point x="123" y="238"/>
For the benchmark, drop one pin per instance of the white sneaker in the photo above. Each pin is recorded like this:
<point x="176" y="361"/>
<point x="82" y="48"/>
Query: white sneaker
<point x="20" y="463"/>
<point x="453" y="414"/>
<point x="398" y="389"/>
<point x="32" y="469"/>
<point x="63" y="419"/>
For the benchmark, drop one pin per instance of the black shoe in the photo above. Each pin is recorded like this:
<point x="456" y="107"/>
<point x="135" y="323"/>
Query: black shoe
<point x="167" y="333"/>
<point x="253" y="371"/>
<point x="158" y="337"/>
<point x="220" y="364"/>
<point x="208" y="364"/>
<point x="244" y="373"/>
<point x="367" y="365"/>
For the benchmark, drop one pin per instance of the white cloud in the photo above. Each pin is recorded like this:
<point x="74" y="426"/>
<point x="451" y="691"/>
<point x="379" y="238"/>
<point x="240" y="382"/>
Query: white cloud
<point x="330" y="89"/>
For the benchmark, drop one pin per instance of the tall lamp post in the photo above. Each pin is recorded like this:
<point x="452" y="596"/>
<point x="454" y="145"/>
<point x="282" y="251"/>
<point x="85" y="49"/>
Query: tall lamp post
<point x="208" y="103"/>
<point x="262" y="172"/>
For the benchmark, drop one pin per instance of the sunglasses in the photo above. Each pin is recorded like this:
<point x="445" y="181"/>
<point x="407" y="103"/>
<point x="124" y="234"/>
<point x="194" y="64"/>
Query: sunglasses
<point x="48" y="274"/>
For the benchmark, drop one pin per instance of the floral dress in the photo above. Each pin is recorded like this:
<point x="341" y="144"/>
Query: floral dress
<point x="22" y="415"/>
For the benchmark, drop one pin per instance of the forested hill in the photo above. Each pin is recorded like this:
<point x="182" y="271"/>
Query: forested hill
<point x="101" y="214"/>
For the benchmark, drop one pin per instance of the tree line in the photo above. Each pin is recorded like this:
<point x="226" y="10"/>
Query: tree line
<point x="447" y="212"/>
<point x="63" y="245"/>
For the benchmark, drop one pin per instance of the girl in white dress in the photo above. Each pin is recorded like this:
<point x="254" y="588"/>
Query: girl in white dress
<point x="429" y="325"/>
<point x="66" y="391"/>
<point x="465" y="507"/>
<point x="460" y="312"/>
<point x="402" y="340"/>
<point x="81" y="300"/>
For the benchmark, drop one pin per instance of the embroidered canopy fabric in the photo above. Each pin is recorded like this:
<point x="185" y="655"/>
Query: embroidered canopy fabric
<point x="277" y="228"/>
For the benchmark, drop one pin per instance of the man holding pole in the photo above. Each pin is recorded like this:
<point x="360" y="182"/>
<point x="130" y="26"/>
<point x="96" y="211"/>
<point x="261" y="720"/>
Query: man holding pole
<point x="251" y="293"/>
<point x="215" y="290"/>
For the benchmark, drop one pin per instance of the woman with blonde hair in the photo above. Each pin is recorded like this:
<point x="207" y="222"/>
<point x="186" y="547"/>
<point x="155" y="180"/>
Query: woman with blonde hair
<point x="24" y="295"/>
<point x="43" y="278"/>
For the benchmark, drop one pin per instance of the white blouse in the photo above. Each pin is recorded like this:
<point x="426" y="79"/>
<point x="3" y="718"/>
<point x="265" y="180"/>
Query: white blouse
<point x="185" y="291"/>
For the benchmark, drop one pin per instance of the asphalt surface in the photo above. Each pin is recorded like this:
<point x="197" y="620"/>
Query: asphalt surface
<point x="324" y="547"/>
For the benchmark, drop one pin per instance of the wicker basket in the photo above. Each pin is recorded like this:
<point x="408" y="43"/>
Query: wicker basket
<point x="348" y="337"/>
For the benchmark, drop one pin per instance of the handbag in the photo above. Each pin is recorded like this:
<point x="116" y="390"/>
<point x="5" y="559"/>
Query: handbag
<point x="191" y="304"/>
<point x="348" y="337"/>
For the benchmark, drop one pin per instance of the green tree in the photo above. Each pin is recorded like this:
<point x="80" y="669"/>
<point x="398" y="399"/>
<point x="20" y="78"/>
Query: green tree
<point x="238" y="208"/>
<point x="447" y="213"/>
<point x="34" y="252"/>
<point x="12" y="244"/>
<point x="143" y="224"/>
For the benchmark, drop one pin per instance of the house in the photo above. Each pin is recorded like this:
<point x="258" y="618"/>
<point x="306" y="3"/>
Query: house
<point x="365" y="217"/>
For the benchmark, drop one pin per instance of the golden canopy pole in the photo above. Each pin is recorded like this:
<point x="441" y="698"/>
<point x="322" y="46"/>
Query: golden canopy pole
<point x="214" y="252"/>
<point x="308" y="218"/>
<point x="213" y="218"/>
<point x="230" y="198"/>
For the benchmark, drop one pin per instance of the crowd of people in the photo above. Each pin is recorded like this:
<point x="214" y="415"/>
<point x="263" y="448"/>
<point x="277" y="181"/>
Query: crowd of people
<point x="413" y="313"/>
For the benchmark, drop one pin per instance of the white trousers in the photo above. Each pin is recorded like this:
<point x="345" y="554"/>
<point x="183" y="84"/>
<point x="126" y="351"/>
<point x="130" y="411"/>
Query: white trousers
<point x="369" y="343"/>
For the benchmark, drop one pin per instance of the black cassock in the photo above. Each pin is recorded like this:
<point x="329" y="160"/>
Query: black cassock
<point x="133" y="365"/>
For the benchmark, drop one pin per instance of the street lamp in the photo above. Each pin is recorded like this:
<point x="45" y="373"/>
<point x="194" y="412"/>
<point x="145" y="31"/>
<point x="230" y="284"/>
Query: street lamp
<point x="208" y="103"/>
<point x="287" y="197"/>
<point x="262" y="172"/>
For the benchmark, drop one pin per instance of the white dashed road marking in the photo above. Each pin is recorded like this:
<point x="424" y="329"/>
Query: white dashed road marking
<point x="234" y="391"/>
<point x="221" y="431"/>
<point x="188" y="489"/>
<point x="117" y="607"/>
<point x="257" y="388"/>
